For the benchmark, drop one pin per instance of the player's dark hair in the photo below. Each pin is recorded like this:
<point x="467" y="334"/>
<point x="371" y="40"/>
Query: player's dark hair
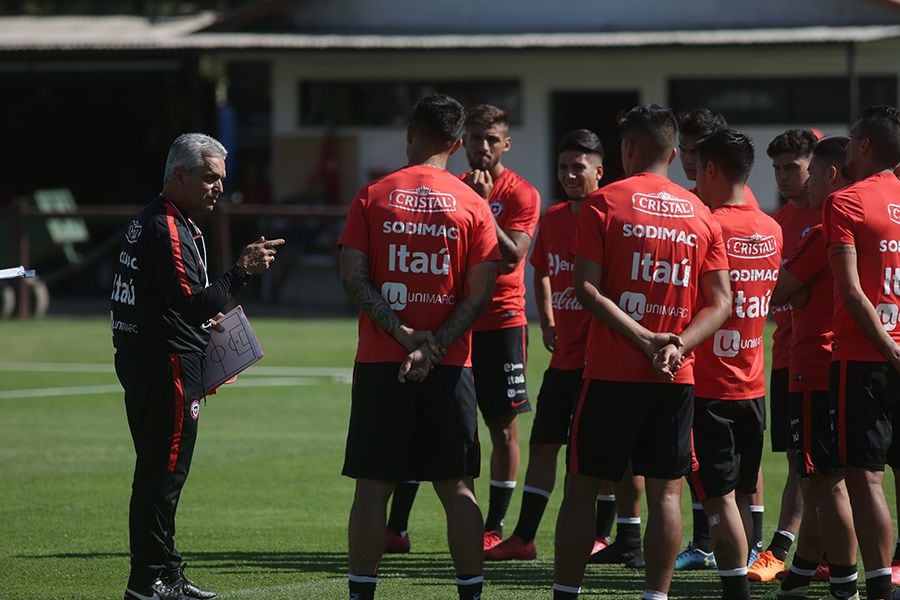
<point x="653" y="123"/>
<point x="881" y="124"/>
<point x="730" y="150"/>
<point x="700" y="123"/>
<point x="439" y="116"/>
<point x="485" y="115"/>
<point x="799" y="142"/>
<point x="582" y="140"/>
<point x="833" y="150"/>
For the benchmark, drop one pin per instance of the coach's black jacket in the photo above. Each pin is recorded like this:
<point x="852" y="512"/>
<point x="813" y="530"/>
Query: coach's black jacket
<point x="160" y="299"/>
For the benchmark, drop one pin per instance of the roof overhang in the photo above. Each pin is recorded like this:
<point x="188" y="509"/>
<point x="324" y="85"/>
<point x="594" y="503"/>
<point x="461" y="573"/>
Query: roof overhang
<point x="138" y="33"/>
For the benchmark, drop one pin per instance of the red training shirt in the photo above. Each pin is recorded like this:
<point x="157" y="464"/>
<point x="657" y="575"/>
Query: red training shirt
<point x="731" y="363"/>
<point x="516" y="205"/>
<point x="654" y="239"/>
<point x="551" y="255"/>
<point x="867" y="215"/>
<point x="421" y="228"/>
<point x="795" y="222"/>
<point x="811" y="323"/>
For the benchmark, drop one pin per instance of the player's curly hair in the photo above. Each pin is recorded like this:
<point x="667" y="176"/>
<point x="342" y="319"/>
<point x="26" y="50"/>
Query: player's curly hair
<point x="485" y="115"/>
<point x="700" y="123"/>
<point x="799" y="142"/>
<point x="881" y="124"/>
<point x="730" y="150"/>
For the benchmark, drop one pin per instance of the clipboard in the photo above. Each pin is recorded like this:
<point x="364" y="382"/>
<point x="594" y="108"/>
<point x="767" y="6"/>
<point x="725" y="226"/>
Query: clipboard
<point x="229" y="351"/>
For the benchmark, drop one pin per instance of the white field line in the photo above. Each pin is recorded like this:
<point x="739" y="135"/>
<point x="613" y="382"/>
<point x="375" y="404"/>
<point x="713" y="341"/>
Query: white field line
<point x="257" y="370"/>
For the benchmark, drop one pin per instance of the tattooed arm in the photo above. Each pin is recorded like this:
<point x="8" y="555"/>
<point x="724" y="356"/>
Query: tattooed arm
<point x="355" y="277"/>
<point x="842" y="258"/>
<point x="480" y="283"/>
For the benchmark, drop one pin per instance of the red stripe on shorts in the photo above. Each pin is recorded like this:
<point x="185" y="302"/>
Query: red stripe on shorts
<point x="175" y="242"/>
<point x="178" y="389"/>
<point x="576" y="420"/>
<point x="808" y="465"/>
<point x="842" y="413"/>
<point x="695" y="472"/>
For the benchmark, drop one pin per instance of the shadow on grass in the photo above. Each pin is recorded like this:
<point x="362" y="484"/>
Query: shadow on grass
<point x="600" y="581"/>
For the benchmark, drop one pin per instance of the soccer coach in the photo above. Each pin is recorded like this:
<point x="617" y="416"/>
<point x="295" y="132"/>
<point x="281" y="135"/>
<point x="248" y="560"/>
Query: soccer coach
<point x="418" y="257"/>
<point x="162" y="306"/>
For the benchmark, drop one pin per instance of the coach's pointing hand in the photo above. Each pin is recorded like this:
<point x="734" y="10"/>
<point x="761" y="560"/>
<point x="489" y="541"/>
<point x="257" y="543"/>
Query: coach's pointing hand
<point x="258" y="256"/>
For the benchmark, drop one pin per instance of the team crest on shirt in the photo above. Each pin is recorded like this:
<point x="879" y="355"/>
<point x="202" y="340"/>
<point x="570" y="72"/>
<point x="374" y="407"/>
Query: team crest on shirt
<point x="752" y="246"/>
<point x="195" y="409"/>
<point x="134" y="232"/>
<point x="663" y="204"/>
<point x="496" y="208"/>
<point x="422" y="200"/>
<point x="894" y="213"/>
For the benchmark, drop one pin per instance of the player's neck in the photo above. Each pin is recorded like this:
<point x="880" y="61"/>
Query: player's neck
<point x="800" y="201"/>
<point x="438" y="161"/>
<point x="730" y="196"/>
<point x="497" y="170"/>
<point x="657" y="168"/>
<point x="575" y="205"/>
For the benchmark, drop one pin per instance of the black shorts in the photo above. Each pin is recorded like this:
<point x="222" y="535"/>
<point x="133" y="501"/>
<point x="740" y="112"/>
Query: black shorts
<point x="424" y="431"/>
<point x="728" y="440"/>
<point x="864" y="401"/>
<point x="780" y="429"/>
<point x="556" y="401"/>
<point x="498" y="364"/>
<point x="646" y="423"/>
<point x="812" y="432"/>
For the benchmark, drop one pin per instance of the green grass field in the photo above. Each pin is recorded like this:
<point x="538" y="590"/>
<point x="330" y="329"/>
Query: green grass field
<point x="264" y="511"/>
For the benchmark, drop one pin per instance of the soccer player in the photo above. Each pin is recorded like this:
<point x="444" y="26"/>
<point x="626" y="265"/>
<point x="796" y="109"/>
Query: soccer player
<point x="419" y="258"/>
<point x="790" y="153"/>
<point x="862" y="225"/>
<point x="805" y="280"/>
<point x="564" y="326"/>
<point x="730" y="383"/>
<point x="646" y="252"/>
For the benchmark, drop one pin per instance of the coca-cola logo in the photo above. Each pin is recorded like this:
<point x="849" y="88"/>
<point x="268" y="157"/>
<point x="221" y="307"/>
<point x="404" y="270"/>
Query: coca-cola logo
<point x="662" y="204"/>
<point x="422" y="200"/>
<point x="565" y="300"/>
<point x="754" y="246"/>
<point x="894" y="213"/>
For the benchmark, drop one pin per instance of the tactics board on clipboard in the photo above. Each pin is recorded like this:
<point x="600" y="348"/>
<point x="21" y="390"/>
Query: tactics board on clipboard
<point x="230" y="351"/>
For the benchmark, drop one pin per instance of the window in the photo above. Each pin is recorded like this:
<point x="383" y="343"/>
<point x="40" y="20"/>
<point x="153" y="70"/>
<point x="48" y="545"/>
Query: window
<point x="388" y="103"/>
<point x="777" y="101"/>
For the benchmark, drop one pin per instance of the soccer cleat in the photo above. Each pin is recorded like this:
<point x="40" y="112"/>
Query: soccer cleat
<point x="158" y="590"/>
<point x="777" y="593"/>
<point x="599" y="544"/>
<point x="396" y="543"/>
<point x="895" y="572"/>
<point x="491" y="539"/>
<point x="637" y="562"/>
<point x="752" y="556"/>
<point x="189" y="589"/>
<point x="823" y="573"/>
<point x="694" y="559"/>
<point x="616" y="553"/>
<point x="515" y="548"/>
<point x="765" y="568"/>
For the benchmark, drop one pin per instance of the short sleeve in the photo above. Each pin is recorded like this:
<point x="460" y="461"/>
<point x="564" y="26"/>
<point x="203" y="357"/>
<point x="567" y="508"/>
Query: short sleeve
<point x="589" y="235"/>
<point x="716" y="259"/>
<point x="841" y="213"/>
<point x="356" y="228"/>
<point x="523" y="209"/>
<point x="810" y="257"/>
<point x="538" y="257"/>
<point x="483" y="246"/>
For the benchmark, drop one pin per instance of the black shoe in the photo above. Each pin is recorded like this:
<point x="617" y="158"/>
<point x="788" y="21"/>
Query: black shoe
<point x="191" y="590"/>
<point x="616" y="553"/>
<point x="158" y="590"/>
<point x="637" y="562"/>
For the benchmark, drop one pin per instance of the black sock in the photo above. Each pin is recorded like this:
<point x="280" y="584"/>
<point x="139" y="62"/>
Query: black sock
<point x="735" y="587"/>
<point x="897" y="551"/>
<point x="781" y="545"/>
<point x="879" y="585"/>
<point x="362" y="587"/>
<point x="701" y="529"/>
<point x="756" y="515"/>
<point x="533" y="505"/>
<point x="565" y="592"/>
<point x="401" y="505"/>
<point x="839" y="588"/>
<point x="469" y="586"/>
<point x="800" y="573"/>
<point x="628" y="534"/>
<point x="606" y="515"/>
<point x="499" y="502"/>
